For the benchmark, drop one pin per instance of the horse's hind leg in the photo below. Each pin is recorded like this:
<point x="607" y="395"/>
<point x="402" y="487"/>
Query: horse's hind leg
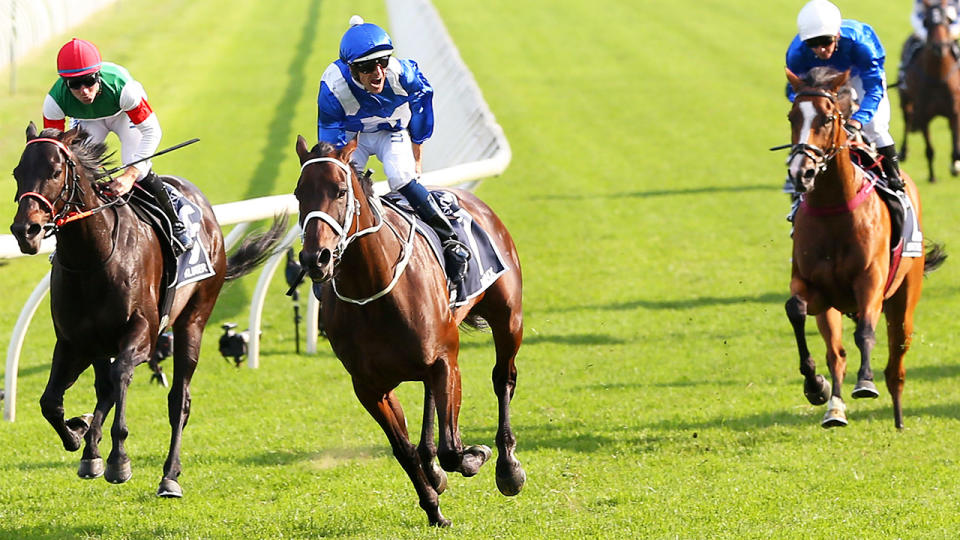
<point x="815" y="387"/>
<point x="955" y="137"/>
<point x="386" y="410"/>
<point x="899" y="312"/>
<point x="830" y="324"/>
<point x="186" y="352"/>
<point x="504" y="314"/>
<point x="444" y="380"/>
<point x="64" y="370"/>
<point x="427" y="449"/>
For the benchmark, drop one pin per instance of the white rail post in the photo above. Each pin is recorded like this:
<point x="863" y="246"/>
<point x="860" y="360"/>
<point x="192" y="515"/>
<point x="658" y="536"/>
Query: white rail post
<point x="16" y="344"/>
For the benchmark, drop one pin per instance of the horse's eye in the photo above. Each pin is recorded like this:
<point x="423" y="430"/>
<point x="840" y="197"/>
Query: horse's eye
<point x="342" y="193"/>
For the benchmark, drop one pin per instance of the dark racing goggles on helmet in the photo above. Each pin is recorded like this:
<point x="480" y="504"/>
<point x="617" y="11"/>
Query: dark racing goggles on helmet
<point x="76" y="83"/>
<point x="820" y="41"/>
<point x="367" y="66"/>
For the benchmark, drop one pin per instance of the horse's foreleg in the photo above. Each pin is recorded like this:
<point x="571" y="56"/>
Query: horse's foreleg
<point x="427" y="449"/>
<point x="831" y="325"/>
<point x="955" y="137"/>
<point x="386" y="410"/>
<point x="186" y="345"/>
<point x="64" y="370"/>
<point x="91" y="463"/>
<point x="815" y="387"/>
<point x="899" y="310"/>
<point x="926" y="140"/>
<point x="907" y="109"/>
<point x="444" y="381"/>
<point x="134" y="350"/>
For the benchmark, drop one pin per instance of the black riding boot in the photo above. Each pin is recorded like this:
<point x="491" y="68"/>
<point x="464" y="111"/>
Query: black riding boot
<point x="152" y="183"/>
<point x="891" y="167"/>
<point x="455" y="254"/>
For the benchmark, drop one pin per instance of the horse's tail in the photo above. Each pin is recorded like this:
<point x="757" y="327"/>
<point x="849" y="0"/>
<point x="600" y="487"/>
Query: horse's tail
<point x="934" y="257"/>
<point x="255" y="249"/>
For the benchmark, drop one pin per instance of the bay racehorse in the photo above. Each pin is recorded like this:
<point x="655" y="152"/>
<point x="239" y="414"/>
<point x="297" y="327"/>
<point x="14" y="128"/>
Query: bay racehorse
<point x="841" y="250"/>
<point x="105" y="283"/>
<point x="931" y="86"/>
<point x="386" y="312"/>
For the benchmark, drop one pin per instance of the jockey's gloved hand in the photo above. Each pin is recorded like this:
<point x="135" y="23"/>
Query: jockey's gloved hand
<point x="853" y="131"/>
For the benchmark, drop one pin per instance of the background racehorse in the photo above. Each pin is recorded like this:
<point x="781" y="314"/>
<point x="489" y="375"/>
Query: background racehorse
<point x="841" y="251"/>
<point x="387" y="315"/>
<point x="931" y="86"/>
<point x="104" y="290"/>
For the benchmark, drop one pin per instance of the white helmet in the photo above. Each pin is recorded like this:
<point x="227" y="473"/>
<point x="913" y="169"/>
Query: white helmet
<point x="818" y="18"/>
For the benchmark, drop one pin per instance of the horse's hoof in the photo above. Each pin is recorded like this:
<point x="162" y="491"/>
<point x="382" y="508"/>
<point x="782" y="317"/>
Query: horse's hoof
<point x="955" y="168"/>
<point x="440" y="522"/>
<point x="511" y="482"/>
<point x="118" y="473"/>
<point x="473" y="458"/>
<point x="90" y="468"/>
<point x="437" y="477"/>
<point x="865" y="389"/>
<point x="836" y="415"/>
<point x="818" y="396"/>
<point x="169" y="489"/>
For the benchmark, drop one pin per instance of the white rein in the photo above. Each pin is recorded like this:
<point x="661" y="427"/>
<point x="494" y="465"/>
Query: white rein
<point x="353" y="209"/>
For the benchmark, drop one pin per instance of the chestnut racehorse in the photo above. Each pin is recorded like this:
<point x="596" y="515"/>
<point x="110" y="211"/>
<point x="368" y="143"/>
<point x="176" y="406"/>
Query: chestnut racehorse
<point x="105" y="281"/>
<point x="841" y="251"/>
<point x="386" y="312"/>
<point x="931" y="86"/>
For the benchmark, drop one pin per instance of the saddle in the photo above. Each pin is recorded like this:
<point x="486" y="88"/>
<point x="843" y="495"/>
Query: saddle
<point x="486" y="263"/>
<point x="188" y="267"/>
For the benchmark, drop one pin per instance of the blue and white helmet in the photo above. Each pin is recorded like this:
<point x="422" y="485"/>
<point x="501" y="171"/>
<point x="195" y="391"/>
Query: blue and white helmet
<point x="364" y="41"/>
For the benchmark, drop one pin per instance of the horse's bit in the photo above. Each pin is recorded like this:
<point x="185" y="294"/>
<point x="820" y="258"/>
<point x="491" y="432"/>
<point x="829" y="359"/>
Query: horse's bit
<point x="343" y="231"/>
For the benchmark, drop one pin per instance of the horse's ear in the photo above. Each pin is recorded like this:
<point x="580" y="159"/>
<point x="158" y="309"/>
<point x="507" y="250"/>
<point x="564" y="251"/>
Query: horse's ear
<point x="840" y="80"/>
<point x="31" y="131"/>
<point x="347" y="151"/>
<point x="69" y="136"/>
<point x="302" y="149"/>
<point x="795" y="82"/>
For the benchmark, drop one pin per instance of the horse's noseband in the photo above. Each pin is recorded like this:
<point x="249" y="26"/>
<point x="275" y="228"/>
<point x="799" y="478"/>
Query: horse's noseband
<point x="69" y="191"/>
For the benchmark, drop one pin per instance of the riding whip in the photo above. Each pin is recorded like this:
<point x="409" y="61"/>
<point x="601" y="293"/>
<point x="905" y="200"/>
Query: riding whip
<point x="160" y="153"/>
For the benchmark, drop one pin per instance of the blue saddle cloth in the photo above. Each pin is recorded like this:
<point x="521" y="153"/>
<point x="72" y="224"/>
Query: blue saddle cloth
<point x="486" y="263"/>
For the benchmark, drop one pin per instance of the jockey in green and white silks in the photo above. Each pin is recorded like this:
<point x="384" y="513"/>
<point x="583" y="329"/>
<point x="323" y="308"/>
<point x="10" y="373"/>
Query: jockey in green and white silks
<point x="102" y="97"/>
<point x="386" y="104"/>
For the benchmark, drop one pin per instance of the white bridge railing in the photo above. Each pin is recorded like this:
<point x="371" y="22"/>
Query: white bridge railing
<point x="467" y="146"/>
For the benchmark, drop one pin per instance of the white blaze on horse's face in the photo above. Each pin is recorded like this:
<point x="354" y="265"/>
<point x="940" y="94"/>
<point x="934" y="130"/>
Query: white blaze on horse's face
<point x="801" y="166"/>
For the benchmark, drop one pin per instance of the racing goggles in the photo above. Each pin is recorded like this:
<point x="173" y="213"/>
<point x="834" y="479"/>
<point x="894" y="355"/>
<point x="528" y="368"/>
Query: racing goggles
<point x="76" y="83"/>
<point x="368" y="66"/>
<point x="820" y="41"/>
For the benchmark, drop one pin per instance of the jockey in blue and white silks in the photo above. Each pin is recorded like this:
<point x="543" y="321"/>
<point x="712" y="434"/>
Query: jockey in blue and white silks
<point x="386" y="104"/>
<point x="825" y="39"/>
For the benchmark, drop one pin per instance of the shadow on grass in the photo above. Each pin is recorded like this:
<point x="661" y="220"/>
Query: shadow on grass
<point x="662" y="192"/>
<point x="777" y="298"/>
<point x="53" y="532"/>
<point x="931" y="372"/>
<point x="322" y="457"/>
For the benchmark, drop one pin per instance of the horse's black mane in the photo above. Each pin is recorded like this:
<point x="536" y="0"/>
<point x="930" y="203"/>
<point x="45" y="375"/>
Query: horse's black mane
<point x="89" y="154"/>
<point x="324" y="149"/>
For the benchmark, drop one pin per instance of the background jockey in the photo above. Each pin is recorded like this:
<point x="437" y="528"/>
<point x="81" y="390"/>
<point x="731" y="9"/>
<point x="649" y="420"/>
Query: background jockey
<point x="824" y="39"/>
<point x="386" y="104"/>
<point x="916" y="40"/>
<point x="101" y="97"/>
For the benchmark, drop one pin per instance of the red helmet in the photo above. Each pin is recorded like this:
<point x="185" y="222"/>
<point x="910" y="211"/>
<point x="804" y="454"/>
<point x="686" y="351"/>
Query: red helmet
<point x="78" y="57"/>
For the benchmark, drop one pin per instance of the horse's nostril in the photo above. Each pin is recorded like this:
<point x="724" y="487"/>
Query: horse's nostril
<point x="324" y="257"/>
<point x="34" y="229"/>
<point x="809" y="173"/>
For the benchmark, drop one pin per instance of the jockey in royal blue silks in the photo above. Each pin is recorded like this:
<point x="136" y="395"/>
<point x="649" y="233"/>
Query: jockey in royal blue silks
<point x="825" y="39"/>
<point x="385" y="103"/>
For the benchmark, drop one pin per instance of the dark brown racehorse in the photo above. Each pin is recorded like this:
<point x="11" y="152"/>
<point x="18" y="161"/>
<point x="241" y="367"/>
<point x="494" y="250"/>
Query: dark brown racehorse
<point x="104" y="286"/>
<point x="386" y="313"/>
<point x="841" y="251"/>
<point x="932" y="86"/>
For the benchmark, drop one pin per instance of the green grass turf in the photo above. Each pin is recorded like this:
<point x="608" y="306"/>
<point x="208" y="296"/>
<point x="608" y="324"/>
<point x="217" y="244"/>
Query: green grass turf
<point x="658" y="395"/>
